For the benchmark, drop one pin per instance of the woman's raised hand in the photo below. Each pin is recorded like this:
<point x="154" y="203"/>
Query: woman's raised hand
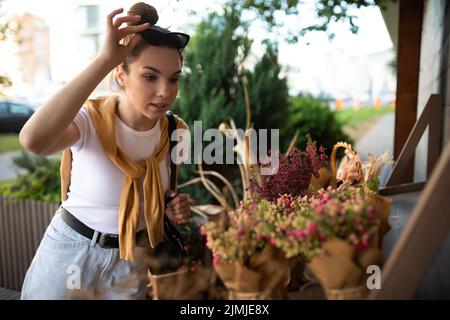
<point x="119" y="41"/>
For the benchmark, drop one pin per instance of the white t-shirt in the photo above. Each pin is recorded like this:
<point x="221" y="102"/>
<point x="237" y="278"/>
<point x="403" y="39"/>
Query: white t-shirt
<point x="96" y="183"/>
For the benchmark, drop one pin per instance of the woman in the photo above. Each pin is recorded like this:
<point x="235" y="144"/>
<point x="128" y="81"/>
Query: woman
<point x="115" y="165"/>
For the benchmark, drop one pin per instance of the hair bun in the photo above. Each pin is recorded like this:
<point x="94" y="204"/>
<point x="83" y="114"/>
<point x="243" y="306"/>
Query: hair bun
<point x="147" y="12"/>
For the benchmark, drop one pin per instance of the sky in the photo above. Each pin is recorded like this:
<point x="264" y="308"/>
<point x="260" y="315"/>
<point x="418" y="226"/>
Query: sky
<point x="350" y="65"/>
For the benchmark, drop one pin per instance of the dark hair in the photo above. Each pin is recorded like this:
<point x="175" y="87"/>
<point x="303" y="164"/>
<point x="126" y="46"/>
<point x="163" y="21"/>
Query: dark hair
<point x="148" y="14"/>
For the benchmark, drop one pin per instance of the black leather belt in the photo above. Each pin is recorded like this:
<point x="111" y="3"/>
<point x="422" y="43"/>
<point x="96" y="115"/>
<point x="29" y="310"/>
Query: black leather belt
<point x="105" y="240"/>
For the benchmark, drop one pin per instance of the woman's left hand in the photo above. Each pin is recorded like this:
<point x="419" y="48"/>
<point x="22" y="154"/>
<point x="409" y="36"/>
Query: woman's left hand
<point x="179" y="208"/>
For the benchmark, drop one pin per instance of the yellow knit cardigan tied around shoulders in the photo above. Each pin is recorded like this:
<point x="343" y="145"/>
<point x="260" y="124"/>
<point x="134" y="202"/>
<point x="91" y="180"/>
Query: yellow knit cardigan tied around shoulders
<point x="102" y="112"/>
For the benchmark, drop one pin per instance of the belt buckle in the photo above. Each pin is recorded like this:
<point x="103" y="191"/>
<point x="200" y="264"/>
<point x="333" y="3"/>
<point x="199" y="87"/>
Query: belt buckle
<point x="103" y="240"/>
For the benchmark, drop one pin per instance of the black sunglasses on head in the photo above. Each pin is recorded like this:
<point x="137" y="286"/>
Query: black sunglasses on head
<point x="156" y="36"/>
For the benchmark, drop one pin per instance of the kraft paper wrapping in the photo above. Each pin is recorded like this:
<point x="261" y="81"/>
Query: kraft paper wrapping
<point x="265" y="278"/>
<point x="341" y="269"/>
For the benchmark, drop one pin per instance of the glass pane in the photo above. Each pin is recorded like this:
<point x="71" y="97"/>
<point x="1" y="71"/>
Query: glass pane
<point x="19" y="109"/>
<point x="3" y="109"/>
<point x="92" y="16"/>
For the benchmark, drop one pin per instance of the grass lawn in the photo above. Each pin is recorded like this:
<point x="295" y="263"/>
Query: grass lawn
<point x="353" y="117"/>
<point x="9" y="142"/>
<point x="5" y="184"/>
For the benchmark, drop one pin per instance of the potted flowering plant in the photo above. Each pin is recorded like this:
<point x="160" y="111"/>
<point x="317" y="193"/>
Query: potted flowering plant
<point x="297" y="170"/>
<point x="338" y="234"/>
<point x="247" y="263"/>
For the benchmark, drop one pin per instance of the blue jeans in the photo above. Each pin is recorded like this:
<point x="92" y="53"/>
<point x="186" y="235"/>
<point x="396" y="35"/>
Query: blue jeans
<point x="68" y="265"/>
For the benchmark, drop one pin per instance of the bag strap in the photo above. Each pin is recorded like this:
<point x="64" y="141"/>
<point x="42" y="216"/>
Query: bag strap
<point x="169" y="229"/>
<point x="173" y="166"/>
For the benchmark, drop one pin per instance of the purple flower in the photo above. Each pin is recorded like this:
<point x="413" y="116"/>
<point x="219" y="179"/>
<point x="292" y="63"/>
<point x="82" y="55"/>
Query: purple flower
<point x="293" y="176"/>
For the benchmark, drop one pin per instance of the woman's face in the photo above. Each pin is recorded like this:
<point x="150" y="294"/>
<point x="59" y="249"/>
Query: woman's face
<point x="151" y="84"/>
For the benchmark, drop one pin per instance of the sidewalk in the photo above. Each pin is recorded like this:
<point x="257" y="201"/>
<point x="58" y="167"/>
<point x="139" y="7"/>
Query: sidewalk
<point x="378" y="140"/>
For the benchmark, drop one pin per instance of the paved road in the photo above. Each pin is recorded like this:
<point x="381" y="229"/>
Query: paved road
<point x="8" y="170"/>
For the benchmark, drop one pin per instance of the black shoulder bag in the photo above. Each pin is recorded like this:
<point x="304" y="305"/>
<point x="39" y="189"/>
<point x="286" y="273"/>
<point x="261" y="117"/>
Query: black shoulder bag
<point x="170" y="252"/>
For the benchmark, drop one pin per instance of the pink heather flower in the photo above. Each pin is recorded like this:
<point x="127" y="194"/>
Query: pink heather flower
<point x="273" y="241"/>
<point x="319" y="210"/>
<point x="250" y="207"/>
<point x="216" y="260"/>
<point x="362" y="245"/>
<point x="293" y="176"/>
<point x="299" y="234"/>
<point x="365" y="237"/>
<point x="323" y="156"/>
<point x="259" y="237"/>
<point x="352" y="238"/>
<point x="311" y="228"/>
<point x="372" y="212"/>
<point x="325" y="197"/>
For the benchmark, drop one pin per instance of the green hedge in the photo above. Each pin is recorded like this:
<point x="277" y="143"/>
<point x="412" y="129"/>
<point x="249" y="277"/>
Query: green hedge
<point x="39" y="182"/>
<point x="313" y="116"/>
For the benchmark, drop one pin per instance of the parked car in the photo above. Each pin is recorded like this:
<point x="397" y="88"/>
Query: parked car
<point x="13" y="115"/>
